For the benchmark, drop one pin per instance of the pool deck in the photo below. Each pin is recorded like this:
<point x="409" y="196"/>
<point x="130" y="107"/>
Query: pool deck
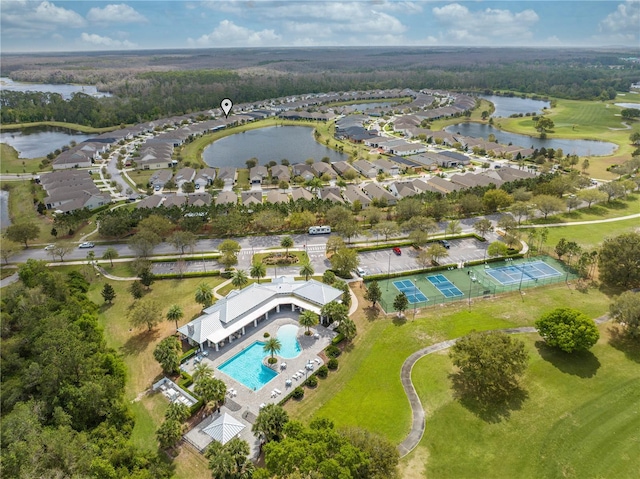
<point x="245" y="405"/>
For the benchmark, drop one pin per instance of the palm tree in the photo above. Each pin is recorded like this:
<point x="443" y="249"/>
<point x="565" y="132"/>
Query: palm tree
<point x="230" y="460"/>
<point x="239" y="278"/>
<point x="204" y="296"/>
<point x="306" y="270"/>
<point x="347" y="328"/>
<point x="258" y="270"/>
<point x="308" y="319"/>
<point x="174" y="314"/>
<point x="287" y="242"/>
<point x="201" y="371"/>
<point x="272" y="346"/>
<point x="270" y="423"/>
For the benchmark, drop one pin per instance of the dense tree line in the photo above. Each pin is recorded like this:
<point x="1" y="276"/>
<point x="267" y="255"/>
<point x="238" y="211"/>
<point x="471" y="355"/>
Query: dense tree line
<point x="150" y="95"/>
<point x="63" y="407"/>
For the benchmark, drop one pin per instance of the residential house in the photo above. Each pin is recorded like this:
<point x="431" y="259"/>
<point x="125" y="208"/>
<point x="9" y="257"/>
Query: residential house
<point x="275" y="196"/>
<point x="303" y="170"/>
<point x="471" y="180"/>
<point x="322" y="168"/>
<point x="281" y="173"/>
<point x="73" y="158"/>
<point x="204" y="177"/>
<point x="199" y="199"/>
<point x="159" y="178"/>
<point x="258" y="174"/>
<point x="331" y="193"/>
<point x="376" y="192"/>
<point x="152" y="201"/>
<point x="301" y="194"/>
<point x="226" y="198"/>
<point x="440" y="185"/>
<point x="250" y="198"/>
<point x="402" y="189"/>
<point x="365" y="168"/>
<point x="353" y="193"/>
<point x="175" y="200"/>
<point x="69" y="191"/>
<point x="342" y="167"/>
<point x="184" y="175"/>
<point x="228" y="174"/>
<point x="386" y="167"/>
<point x="407" y="149"/>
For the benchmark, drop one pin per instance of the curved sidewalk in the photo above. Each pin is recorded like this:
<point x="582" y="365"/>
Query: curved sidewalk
<point x="579" y="223"/>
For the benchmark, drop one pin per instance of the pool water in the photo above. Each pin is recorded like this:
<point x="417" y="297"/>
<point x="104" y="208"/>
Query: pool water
<point x="246" y="366"/>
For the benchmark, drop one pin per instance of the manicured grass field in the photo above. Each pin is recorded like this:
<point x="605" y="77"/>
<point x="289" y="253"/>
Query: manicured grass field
<point x="366" y="391"/>
<point x="600" y="211"/>
<point x="71" y="126"/>
<point x="580" y="419"/>
<point x="12" y="163"/>
<point x="590" y="236"/>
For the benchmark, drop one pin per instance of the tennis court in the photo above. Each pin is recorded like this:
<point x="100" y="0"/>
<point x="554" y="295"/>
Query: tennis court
<point x="446" y="287"/>
<point x="523" y="272"/>
<point x="414" y="295"/>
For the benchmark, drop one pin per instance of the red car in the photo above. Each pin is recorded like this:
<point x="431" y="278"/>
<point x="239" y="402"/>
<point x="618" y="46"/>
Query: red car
<point x="397" y="251"/>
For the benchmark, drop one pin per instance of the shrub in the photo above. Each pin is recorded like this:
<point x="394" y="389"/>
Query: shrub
<point x="312" y="382"/>
<point x="322" y="372"/>
<point x="266" y="335"/>
<point x="298" y="393"/>
<point x="333" y="351"/>
<point x="332" y="364"/>
<point x="338" y="339"/>
<point x="272" y="360"/>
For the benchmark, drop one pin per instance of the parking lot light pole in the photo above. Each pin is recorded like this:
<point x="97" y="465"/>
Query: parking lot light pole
<point x="389" y="271"/>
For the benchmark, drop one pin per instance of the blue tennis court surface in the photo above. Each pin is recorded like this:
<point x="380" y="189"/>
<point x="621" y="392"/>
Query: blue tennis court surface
<point x="523" y="272"/>
<point x="414" y="295"/>
<point x="446" y="287"/>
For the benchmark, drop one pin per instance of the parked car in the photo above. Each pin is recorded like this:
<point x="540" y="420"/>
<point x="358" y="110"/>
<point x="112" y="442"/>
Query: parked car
<point x="397" y="251"/>
<point x="49" y="247"/>
<point x="361" y="272"/>
<point x="86" y="244"/>
<point x="445" y="243"/>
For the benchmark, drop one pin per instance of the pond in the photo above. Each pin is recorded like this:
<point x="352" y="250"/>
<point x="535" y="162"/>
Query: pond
<point x="510" y="105"/>
<point x="295" y="143"/>
<point x="65" y="90"/>
<point x="39" y="141"/>
<point x="569" y="147"/>
<point x="5" y="221"/>
<point x="629" y="105"/>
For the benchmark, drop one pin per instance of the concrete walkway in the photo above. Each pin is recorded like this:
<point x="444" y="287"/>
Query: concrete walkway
<point x="417" y="411"/>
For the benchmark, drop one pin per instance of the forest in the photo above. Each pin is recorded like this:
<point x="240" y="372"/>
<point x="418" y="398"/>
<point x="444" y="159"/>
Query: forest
<point x="192" y="84"/>
<point x="62" y="395"/>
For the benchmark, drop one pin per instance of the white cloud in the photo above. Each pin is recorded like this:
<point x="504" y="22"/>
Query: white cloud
<point x="121" y="13"/>
<point x="228" y="34"/>
<point x="625" y="19"/>
<point x="478" y="27"/>
<point x="94" y="40"/>
<point x="23" y="18"/>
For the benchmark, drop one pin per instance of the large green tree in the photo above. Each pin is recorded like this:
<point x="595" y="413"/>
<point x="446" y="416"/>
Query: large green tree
<point x="270" y="423"/>
<point x="145" y="312"/>
<point x="175" y="313"/>
<point x="231" y="460"/>
<point x="110" y="253"/>
<point x="183" y="240"/>
<point x="488" y="365"/>
<point x="167" y="353"/>
<point x="625" y="309"/>
<point x="401" y="303"/>
<point x="239" y="278"/>
<point x="344" y="260"/>
<point x="204" y="296"/>
<point x="619" y="261"/>
<point x="22" y="233"/>
<point x="229" y="250"/>
<point x="568" y="329"/>
<point x="306" y="269"/>
<point x="258" y="270"/>
<point x="308" y="319"/>
<point x="211" y="390"/>
<point x="373" y="294"/>
<point x="272" y="346"/>
<point x="108" y="293"/>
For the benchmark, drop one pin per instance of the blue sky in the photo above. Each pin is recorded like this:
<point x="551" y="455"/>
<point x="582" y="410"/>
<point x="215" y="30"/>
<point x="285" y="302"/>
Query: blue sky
<point x="65" y="25"/>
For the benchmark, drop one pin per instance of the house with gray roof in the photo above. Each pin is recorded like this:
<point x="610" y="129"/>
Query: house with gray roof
<point x="69" y="191"/>
<point x="322" y="168"/>
<point x="249" y="198"/>
<point x="229" y="317"/>
<point x="386" y="167"/>
<point x="301" y="194"/>
<point x="258" y="174"/>
<point x="342" y="167"/>
<point x="440" y="185"/>
<point x="175" y="200"/>
<point x="376" y="192"/>
<point x="184" y="175"/>
<point x="365" y="168"/>
<point x="204" y="177"/>
<point x="159" y="178"/>
<point x="353" y="193"/>
<point x="303" y="170"/>
<point x="228" y="174"/>
<point x="152" y="201"/>
<point x="226" y="198"/>
<point x="275" y="196"/>
<point x="331" y="193"/>
<point x="280" y="173"/>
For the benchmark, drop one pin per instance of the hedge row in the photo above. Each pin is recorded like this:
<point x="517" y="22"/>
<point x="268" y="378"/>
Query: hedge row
<point x="188" y="354"/>
<point x="188" y="274"/>
<point x="185" y="380"/>
<point x="338" y="339"/>
<point x="187" y="258"/>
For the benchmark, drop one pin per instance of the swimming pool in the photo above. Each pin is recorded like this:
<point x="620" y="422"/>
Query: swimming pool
<point x="246" y="366"/>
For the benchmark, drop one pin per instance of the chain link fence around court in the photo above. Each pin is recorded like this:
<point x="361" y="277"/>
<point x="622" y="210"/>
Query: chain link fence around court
<point x="428" y="289"/>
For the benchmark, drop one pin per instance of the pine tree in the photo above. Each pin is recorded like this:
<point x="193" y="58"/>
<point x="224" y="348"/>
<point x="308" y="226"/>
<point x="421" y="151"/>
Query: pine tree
<point x="108" y="293"/>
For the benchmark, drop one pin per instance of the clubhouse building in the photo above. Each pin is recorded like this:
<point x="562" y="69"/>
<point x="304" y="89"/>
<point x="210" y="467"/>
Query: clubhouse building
<point x="229" y="317"/>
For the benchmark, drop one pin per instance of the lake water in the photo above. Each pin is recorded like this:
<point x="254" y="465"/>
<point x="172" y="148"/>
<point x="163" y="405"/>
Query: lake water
<point x="629" y="105"/>
<point x="295" y="143"/>
<point x="39" y="141"/>
<point x="573" y="147"/>
<point x="66" y="91"/>
<point x="4" y="209"/>
<point x="507" y="106"/>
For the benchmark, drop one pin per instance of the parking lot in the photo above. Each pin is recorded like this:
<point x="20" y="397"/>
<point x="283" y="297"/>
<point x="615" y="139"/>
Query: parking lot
<point x="385" y="260"/>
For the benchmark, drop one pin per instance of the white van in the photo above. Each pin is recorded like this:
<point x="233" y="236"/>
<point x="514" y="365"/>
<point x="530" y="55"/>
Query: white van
<point x="319" y="230"/>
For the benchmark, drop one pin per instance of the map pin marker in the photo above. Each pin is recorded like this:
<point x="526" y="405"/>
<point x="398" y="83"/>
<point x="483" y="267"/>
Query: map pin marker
<point x="226" y="106"/>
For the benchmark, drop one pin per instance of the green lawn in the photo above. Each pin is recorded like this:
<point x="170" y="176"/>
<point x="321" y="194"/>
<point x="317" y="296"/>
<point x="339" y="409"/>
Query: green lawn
<point x="12" y="163"/>
<point x="71" y="126"/>
<point x="600" y="211"/>
<point x="590" y="236"/>
<point x="366" y="391"/>
<point x="580" y="419"/>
